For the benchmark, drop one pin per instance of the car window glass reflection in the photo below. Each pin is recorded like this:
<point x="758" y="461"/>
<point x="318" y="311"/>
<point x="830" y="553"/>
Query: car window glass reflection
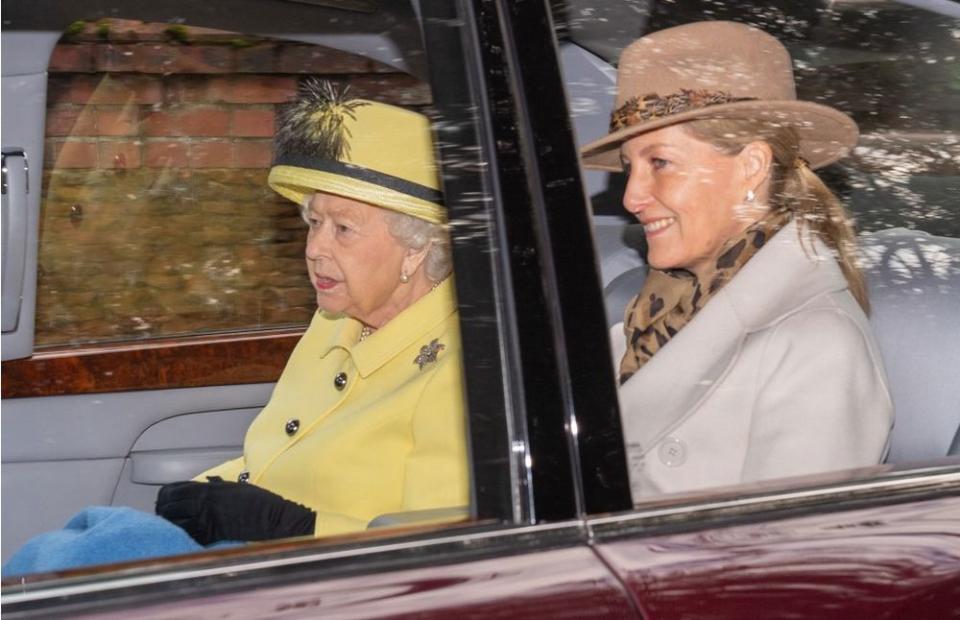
<point x="888" y="69"/>
<point x="157" y="220"/>
<point x="366" y="425"/>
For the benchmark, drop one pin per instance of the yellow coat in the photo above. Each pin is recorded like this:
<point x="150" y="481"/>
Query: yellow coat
<point x="391" y="439"/>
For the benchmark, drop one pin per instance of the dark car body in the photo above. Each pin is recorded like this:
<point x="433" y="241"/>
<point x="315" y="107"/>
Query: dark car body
<point x="551" y="530"/>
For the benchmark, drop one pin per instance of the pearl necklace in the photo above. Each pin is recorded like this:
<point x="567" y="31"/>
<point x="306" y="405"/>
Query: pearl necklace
<point x="367" y="330"/>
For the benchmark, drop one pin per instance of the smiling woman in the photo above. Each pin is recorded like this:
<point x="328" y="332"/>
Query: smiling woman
<point x="753" y="271"/>
<point x="688" y="196"/>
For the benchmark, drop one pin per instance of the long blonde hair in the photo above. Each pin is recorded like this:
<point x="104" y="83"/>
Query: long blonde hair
<point x="794" y="187"/>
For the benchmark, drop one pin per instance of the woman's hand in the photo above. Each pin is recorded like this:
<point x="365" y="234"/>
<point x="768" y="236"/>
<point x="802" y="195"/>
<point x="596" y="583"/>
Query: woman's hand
<point x="218" y="510"/>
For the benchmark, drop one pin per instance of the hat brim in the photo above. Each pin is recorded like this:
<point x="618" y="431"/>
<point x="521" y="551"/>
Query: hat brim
<point x="826" y="134"/>
<point x="295" y="183"/>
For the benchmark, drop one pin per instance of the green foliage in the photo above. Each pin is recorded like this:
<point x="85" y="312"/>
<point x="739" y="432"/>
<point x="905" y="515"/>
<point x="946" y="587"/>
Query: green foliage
<point x="178" y="33"/>
<point x="241" y="42"/>
<point x="103" y="30"/>
<point x="75" y="28"/>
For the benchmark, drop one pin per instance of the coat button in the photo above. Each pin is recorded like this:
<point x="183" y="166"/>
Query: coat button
<point x="672" y="452"/>
<point x="292" y="427"/>
<point x="243" y="477"/>
<point x="340" y="381"/>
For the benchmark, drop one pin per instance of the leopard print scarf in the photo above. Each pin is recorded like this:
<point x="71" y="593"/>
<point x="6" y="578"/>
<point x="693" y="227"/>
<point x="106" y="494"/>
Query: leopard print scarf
<point x="669" y="299"/>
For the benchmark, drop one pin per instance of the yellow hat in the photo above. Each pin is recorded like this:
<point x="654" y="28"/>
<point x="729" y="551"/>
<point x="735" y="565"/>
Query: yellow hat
<point x="364" y="150"/>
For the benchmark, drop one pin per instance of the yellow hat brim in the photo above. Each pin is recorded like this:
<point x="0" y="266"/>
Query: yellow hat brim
<point x="296" y="183"/>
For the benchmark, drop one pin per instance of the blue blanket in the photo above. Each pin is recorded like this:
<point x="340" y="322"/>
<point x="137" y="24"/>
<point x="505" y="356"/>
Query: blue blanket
<point x="101" y="535"/>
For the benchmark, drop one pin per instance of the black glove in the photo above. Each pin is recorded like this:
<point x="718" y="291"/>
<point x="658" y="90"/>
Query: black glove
<point x="218" y="510"/>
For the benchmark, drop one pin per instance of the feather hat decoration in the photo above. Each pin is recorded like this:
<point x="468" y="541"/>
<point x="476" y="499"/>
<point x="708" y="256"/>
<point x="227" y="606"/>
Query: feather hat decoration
<point x="315" y="124"/>
<point x="383" y="155"/>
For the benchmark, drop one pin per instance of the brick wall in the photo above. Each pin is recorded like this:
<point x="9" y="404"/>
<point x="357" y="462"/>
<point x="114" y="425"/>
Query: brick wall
<point x="156" y="218"/>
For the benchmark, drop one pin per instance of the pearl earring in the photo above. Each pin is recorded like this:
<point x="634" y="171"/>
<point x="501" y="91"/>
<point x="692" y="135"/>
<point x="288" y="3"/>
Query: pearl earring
<point x="751" y="196"/>
<point x="404" y="278"/>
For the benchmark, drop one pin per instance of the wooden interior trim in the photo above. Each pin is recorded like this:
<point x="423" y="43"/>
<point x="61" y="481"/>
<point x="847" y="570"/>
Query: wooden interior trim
<point x="152" y="365"/>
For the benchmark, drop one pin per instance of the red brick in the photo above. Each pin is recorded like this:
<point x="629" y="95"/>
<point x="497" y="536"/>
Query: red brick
<point x="133" y="31"/>
<point x="322" y="60"/>
<point x="149" y="58"/>
<point x="67" y="120"/>
<point x="211" y="154"/>
<point x="193" y="121"/>
<point x="71" y="58"/>
<point x="218" y="89"/>
<point x="256" y="59"/>
<point x="261" y="89"/>
<point x="204" y="59"/>
<point x="51" y="149"/>
<point x="150" y="31"/>
<point x="157" y="58"/>
<point x="252" y="154"/>
<point x="167" y="154"/>
<point x="72" y="154"/>
<point x="119" y="155"/>
<point x="127" y="89"/>
<point x="70" y="88"/>
<point x="125" y="30"/>
<point x="253" y="122"/>
<point x="113" y="57"/>
<point x="120" y="121"/>
<point x="121" y="29"/>
<point x="195" y="89"/>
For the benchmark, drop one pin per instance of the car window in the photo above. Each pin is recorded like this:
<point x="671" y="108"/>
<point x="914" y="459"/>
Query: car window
<point x="162" y="246"/>
<point x="891" y="66"/>
<point x="157" y="220"/>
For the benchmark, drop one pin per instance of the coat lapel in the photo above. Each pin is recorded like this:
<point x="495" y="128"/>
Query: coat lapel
<point x="777" y="281"/>
<point x="682" y="374"/>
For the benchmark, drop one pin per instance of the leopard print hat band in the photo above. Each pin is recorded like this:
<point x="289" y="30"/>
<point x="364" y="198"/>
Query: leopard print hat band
<point x="650" y="106"/>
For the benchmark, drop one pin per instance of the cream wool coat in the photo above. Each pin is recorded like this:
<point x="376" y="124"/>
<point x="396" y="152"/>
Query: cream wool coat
<point x="391" y="440"/>
<point x="778" y="375"/>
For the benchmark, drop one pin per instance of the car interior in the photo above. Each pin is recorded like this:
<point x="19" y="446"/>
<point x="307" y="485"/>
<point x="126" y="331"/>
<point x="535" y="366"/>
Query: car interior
<point x="61" y="453"/>
<point x="912" y="266"/>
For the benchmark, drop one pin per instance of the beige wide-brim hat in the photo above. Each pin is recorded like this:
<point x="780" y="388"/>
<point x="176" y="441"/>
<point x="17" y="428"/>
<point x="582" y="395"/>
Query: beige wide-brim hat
<point x="721" y="70"/>
<point x="368" y="151"/>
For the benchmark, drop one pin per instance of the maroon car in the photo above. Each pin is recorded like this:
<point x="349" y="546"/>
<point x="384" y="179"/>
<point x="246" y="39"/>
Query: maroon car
<point x="153" y="289"/>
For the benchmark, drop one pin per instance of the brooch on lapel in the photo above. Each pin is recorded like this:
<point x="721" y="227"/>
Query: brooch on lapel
<point x="428" y="353"/>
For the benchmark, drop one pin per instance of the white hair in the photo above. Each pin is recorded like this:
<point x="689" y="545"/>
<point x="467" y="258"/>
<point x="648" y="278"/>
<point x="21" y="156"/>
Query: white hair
<point x="414" y="233"/>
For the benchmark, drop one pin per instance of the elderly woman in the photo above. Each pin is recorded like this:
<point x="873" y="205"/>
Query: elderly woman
<point x="368" y="416"/>
<point x="747" y="354"/>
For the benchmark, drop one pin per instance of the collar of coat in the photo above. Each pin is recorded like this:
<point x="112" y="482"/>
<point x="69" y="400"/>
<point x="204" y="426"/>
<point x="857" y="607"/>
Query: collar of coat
<point x="783" y="276"/>
<point x="409" y="328"/>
